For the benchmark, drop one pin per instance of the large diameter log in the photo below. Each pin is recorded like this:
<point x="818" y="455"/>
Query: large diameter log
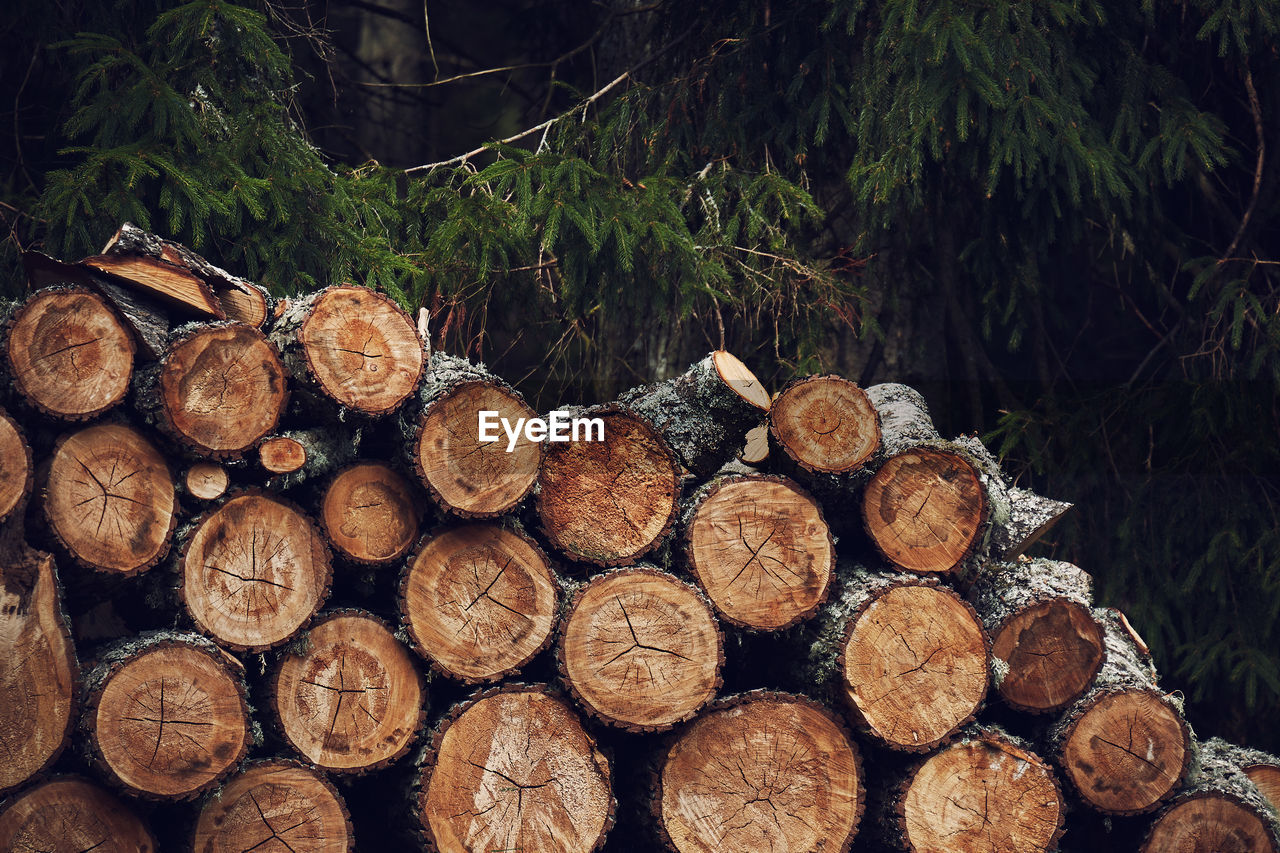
<point x="761" y="550"/>
<point x="761" y="771"/>
<point x="274" y="806"/>
<point x="166" y="716"/>
<point x="370" y="513"/>
<point x="705" y="413"/>
<point x="479" y="601"/>
<point x="826" y="424"/>
<point x="641" y="649"/>
<point x="38" y="669"/>
<point x="71" y="815"/>
<point x="985" y="793"/>
<point x="1046" y="645"/>
<point x="70" y="355"/>
<point x="513" y="769"/>
<point x="356" y="346"/>
<point x="1219" y="811"/>
<point x="348" y="697"/>
<point x="253" y="571"/>
<point x="464" y="475"/>
<point x="16" y="469"/>
<point x="110" y="499"/>
<point x="609" y="502"/>
<point x="1124" y="744"/>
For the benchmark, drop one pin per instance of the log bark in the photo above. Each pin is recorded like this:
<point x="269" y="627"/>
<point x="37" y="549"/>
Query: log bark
<point x="464" y="476"/>
<point x="253" y="571"/>
<point x="166" y="716"/>
<point x="703" y="414"/>
<point x="17" y="473"/>
<point x="513" y="769"/>
<point x="1046" y="646"/>
<point x="347" y="696"/>
<point x="69" y="353"/>
<point x="826" y="425"/>
<point x="206" y="481"/>
<point x="354" y="345"/>
<point x="985" y="793"/>
<point x="641" y="650"/>
<point x="609" y="502"/>
<point x="479" y="601"/>
<point x="72" y="815"/>
<point x="274" y="805"/>
<point x="760" y="549"/>
<point x="1123" y="745"/>
<point x="369" y="514"/>
<point x="761" y="771"/>
<point x="1219" y="811"/>
<point x="110" y="499"/>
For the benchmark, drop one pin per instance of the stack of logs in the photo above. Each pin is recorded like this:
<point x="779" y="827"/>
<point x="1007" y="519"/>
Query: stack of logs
<point x="293" y="590"/>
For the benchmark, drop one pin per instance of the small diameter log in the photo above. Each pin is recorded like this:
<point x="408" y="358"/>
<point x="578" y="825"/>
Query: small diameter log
<point x="254" y="571"/>
<point x="347" y="696"/>
<point x="282" y="454"/>
<point x="760" y="549"/>
<point x="479" y="601"/>
<point x="170" y="283"/>
<point x="16" y="469"/>
<point x="465" y="476"/>
<point x="985" y="793"/>
<point x="761" y="771"/>
<point x="166" y="716"/>
<point x="825" y="424"/>
<point x="705" y="413"/>
<point x="513" y="769"/>
<point x="1219" y="811"/>
<point x="274" y="806"/>
<point x="1263" y="770"/>
<point x="110" y="499"/>
<point x="369" y="514"/>
<point x="39" y="674"/>
<point x="71" y="815"/>
<point x="641" y="649"/>
<point x="609" y="502"/>
<point x="1124" y="744"/>
<point x="207" y="481"/>
<point x="355" y="345"/>
<point x="756" y="449"/>
<point x="70" y="355"/>
<point x="297" y="456"/>
<point x="1046" y="646"/>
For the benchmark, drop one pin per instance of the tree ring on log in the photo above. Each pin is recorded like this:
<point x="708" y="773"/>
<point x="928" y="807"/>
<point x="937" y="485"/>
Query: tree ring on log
<point x="1267" y="778"/>
<point x="826" y="424"/>
<point x="276" y="801"/>
<point x="740" y="379"/>
<point x="1053" y="649"/>
<point x="369" y="513"/>
<point x="1209" y="823"/>
<point x="16" y="470"/>
<point x="68" y="815"/>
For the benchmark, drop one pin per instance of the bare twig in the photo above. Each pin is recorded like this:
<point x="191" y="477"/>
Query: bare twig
<point x="1256" y="108"/>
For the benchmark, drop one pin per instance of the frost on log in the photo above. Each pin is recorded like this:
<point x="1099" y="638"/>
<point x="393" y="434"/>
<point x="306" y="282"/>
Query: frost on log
<point x="263" y="586"/>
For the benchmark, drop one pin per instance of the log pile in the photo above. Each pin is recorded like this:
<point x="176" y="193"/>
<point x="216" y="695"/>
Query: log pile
<point x="264" y="585"/>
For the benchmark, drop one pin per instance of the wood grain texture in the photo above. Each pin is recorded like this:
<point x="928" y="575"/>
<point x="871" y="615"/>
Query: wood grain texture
<point x="274" y="806"/>
<point x="370" y="513"/>
<point x="827" y="424"/>
<point x="71" y="815"/>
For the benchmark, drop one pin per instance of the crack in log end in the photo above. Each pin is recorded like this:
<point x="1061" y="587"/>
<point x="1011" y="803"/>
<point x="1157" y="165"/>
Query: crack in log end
<point x="71" y="815"/>
<point x="274" y="805"/>
<point x="369" y="513"/>
<point x="826" y="424"/>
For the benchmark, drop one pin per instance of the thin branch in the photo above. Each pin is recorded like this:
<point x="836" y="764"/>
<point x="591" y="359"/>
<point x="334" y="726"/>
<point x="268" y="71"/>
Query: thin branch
<point x="1256" y="109"/>
<point x="426" y="26"/>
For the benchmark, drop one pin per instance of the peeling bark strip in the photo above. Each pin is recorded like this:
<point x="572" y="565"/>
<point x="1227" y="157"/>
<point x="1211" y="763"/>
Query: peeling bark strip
<point x="369" y="513"/>
<point x="827" y="424"/>
<point x="761" y="771"/>
<point x="1046" y="646"/>
<point x="16" y="469"/>
<point x="613" y="501"/>
<point x="274" y="805"/>
<point x="254" y="571"/>
<point x="70" y="355"/>
<point x="513" y="769"/>
<point x="69" y="815"/>
<point x="479" y="601"/>
<point x="985" y="793"/>
<point x="641" y="650"/>
<point x="166" y="716"/>
<point x="348" y="697"/>
<point x="761" y="550"/>
<point x="110" y="499"/>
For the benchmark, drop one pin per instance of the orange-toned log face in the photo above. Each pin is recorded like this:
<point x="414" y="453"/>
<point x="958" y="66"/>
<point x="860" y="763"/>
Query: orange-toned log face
<point x="1209" y="824"/>
<point x="826" y="423"/>
<point x="1053" y="650"/>
<point x="71" y="815"/>
<point x="275" y="806"/>
<point x="370" y="514"/>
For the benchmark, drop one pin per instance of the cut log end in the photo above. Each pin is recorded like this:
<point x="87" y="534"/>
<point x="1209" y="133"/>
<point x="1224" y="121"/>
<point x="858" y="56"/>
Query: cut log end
<point x="763" y="772"/>
<point x="253" y="572"/>
<point x="207" y="481"/>
<point x="515" y="770"/>
<point x="826" y="424"/>
<point x="281" y="454"/>
<point x="641" y="649"/>
<point x="1210" y="823"/>
<point x="609" y="502"/>
<point x="1051" y="652"/>
<point x="756" y="450"/>
<point x="69" y="815"/>
<point x="466" y="476"/>
<point x="274" y="806"/>
<point x="1267" y="778"/>
<point x="172" y="283"/>
<point x="369" y="514"/>
<point x="740" y="379"/>
<point x="70" y="355"/>
<point x="761" y="550"/>
<point x="924" y="510"/>
<point x="915" y="666"/>
<point x="349" y="698"/>
<point x="480" y="601"/>
<point x="16" y="470"/>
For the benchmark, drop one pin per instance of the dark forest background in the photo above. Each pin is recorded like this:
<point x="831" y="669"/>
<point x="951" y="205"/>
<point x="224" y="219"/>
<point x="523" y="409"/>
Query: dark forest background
<point x="1056" y="218"/>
